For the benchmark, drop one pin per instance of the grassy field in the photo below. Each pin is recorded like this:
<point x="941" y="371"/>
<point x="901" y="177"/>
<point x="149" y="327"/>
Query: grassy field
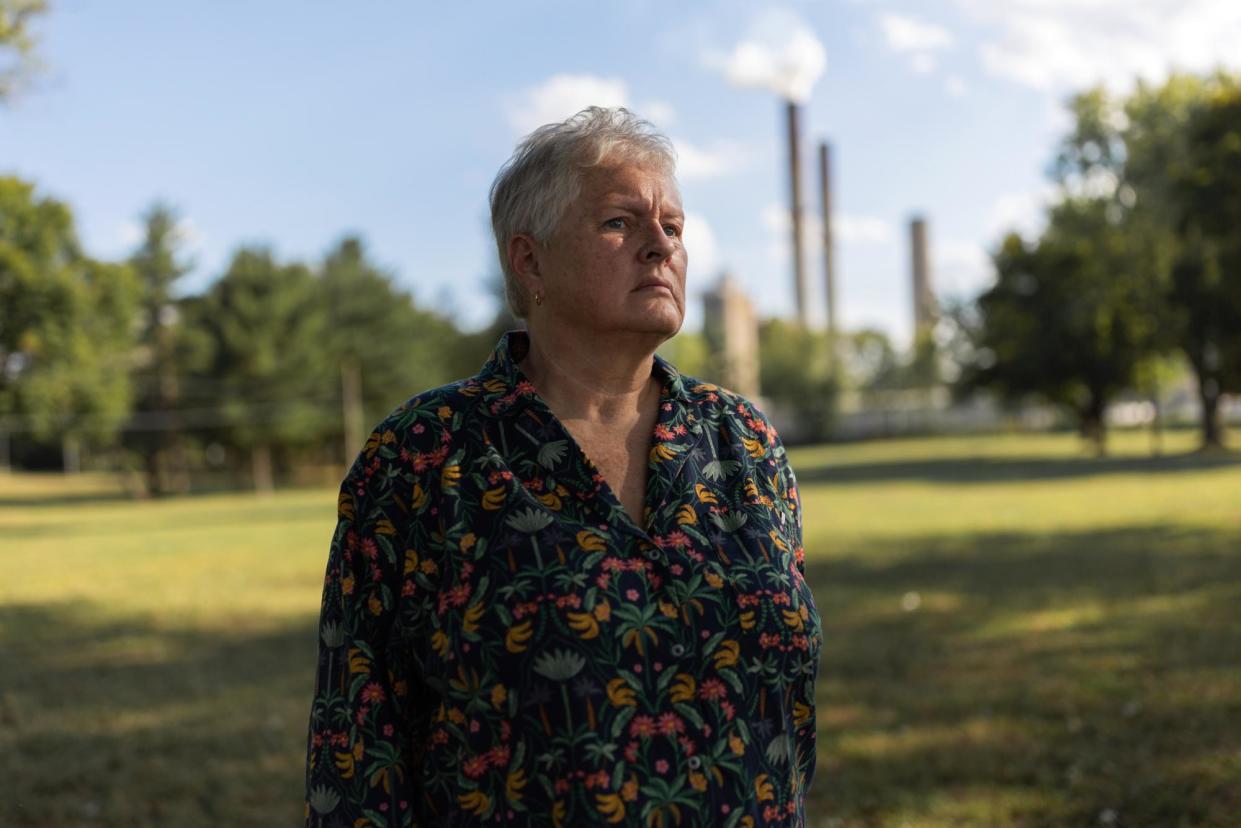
<point x="1016" y="635"/>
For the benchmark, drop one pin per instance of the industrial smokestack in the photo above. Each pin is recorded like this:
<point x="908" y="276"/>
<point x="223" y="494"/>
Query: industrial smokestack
<point x="923" y="296"/>
<point x="829" y="262"/>
<point x="799" y="264"/>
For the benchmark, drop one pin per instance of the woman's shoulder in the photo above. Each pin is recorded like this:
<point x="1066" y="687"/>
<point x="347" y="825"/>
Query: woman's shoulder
<point x="719" y="403"/>
<point x="419" y="432"/>
<point x="452" y="400"/>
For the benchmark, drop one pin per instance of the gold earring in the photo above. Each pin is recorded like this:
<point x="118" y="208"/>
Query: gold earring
<point x="538" y="298"/>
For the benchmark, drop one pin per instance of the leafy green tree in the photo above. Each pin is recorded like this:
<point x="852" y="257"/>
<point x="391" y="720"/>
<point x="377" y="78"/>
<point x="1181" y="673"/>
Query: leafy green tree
<point x="1071" y="316"/>
<point x="66" y="325"/>
<point x="869" y="361"/>
<point x="1206" y="279"/>
<point x="158" y="361"/>
<point x="1166" y="155"/>
<point x="795" y="371"/>
<point x="17" y="45"/>
<point x="474" y="347"/>
<point x="377" y="334"/>
<point x="267" y="325"/>
<point x="689" y="352"/>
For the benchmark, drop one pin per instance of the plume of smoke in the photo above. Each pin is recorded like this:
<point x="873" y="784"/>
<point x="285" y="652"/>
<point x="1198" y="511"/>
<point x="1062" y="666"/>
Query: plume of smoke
<point x="781" y="53"/>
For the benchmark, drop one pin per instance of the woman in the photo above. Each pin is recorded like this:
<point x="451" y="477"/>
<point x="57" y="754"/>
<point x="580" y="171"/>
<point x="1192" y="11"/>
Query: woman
<point x="569" y="590"/>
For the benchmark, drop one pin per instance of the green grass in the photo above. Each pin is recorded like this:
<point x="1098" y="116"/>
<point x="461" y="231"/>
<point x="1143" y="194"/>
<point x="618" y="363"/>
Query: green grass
<point x="1016" y="635"/>
<point x="1019" y="635"/>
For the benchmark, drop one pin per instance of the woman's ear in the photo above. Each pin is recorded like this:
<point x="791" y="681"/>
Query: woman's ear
<point x="523" y="261"/>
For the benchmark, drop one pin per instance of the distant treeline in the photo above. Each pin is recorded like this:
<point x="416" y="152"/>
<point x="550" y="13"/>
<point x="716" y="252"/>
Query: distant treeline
<point x="276" y="366"/>
<point x="281" y="365"/>
<point x="263" y="368"/>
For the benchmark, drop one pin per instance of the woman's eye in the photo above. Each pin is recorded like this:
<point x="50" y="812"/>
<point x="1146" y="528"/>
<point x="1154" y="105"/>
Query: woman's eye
<point x="615" y="224"/>
<point x="672" y="230"/>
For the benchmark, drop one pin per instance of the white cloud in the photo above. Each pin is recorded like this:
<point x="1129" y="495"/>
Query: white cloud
<point x="919" y="41"/>
<point x="704" y="260"/>
<point x="130" y="233"/>
<point x="721" y="158"/>
<point x="1060" y="45"/>
<point x="955" y="86"/>
<point x="659" y="113"/>
<point x="960" y="268"/>
<point x="847" y="229"/>
<point x="851" y="229"/>
<point x="912" y="36"/>
<point x="923" y="63"/>
<point x="779" y="224"/>
<point x="1023" y="212"/>
<point x="561" y="96"/>
<point x="781" y="53"/>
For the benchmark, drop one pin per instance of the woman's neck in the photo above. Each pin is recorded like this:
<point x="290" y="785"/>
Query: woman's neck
<point x="601" y="382"/>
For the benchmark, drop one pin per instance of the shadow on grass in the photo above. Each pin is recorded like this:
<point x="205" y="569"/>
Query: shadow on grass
<point x="1036" y="680"/>
<point x="51" y="499"/>
<point x="247" y="514"/>
<point x="125" y="722"/>
<point x="985" y="470"/>
<point x="63" y="499"/>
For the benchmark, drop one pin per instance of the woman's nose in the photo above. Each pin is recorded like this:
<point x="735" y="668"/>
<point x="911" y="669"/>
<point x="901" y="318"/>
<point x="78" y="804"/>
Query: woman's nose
<point x="660" y="247"/>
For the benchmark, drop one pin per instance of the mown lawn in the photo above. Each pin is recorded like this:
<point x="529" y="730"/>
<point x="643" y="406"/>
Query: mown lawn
<point x="1017" y="635"/>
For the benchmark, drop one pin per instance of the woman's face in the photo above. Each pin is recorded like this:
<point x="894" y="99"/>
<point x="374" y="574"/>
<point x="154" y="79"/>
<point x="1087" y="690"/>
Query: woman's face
<point x="616" y="263"/>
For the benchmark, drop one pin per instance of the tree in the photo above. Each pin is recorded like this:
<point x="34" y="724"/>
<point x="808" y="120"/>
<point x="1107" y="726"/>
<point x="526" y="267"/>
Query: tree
<point x="690" y="354"/>
<point x="17" y="44"/>
<point x="158" y="265"/>
<point x="378" y="339"/>
<point x="1165" y="154"/>
<point x="267" y="324"/>
<point x="66" y="326"/>
<point x="1071" y="316"/>
<point x="795" y="371"/>
<point x="869" y="361"/>
<point x="1206" y="279"/>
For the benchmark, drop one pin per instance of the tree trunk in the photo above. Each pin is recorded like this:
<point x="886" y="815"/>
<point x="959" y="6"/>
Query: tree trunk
<point x="351" y="397"/>
<point x="173" y="465"/>
<point x="1156" y="424"/>
<point x="1208" y="393"/>
<point x="71" y="453"/>
<point x="153" y="481"/>
<point x="260" y="459"/>
<point x="1093" y="428"/>
<point x="178" y="465"/>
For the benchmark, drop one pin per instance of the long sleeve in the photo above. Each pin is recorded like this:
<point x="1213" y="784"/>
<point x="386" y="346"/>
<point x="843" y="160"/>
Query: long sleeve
<point x="501" y="644"/>
<point x="360" y="758"/>
<point x="804" y="717"/>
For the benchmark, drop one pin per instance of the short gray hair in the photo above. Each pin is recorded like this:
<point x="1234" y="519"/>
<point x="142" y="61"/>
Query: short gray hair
<point x="543" y="177"/>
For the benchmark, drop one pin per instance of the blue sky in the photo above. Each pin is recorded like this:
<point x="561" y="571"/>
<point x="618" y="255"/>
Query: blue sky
<point x="293" y="123"/>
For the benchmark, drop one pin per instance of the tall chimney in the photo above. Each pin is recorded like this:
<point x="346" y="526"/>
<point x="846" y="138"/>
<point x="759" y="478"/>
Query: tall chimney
<point x="829" y="259"/>
<point x="923" y="297"/>
<point x="799" y="265"/>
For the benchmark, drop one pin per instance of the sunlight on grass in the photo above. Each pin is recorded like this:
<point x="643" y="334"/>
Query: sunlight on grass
<point x="1015" y="634"/>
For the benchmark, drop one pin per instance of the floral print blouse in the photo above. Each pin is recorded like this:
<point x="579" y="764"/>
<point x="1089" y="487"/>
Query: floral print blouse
<point x="500" y="643"/>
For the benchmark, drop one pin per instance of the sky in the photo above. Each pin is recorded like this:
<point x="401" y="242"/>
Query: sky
<point x="291" y="124"/>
